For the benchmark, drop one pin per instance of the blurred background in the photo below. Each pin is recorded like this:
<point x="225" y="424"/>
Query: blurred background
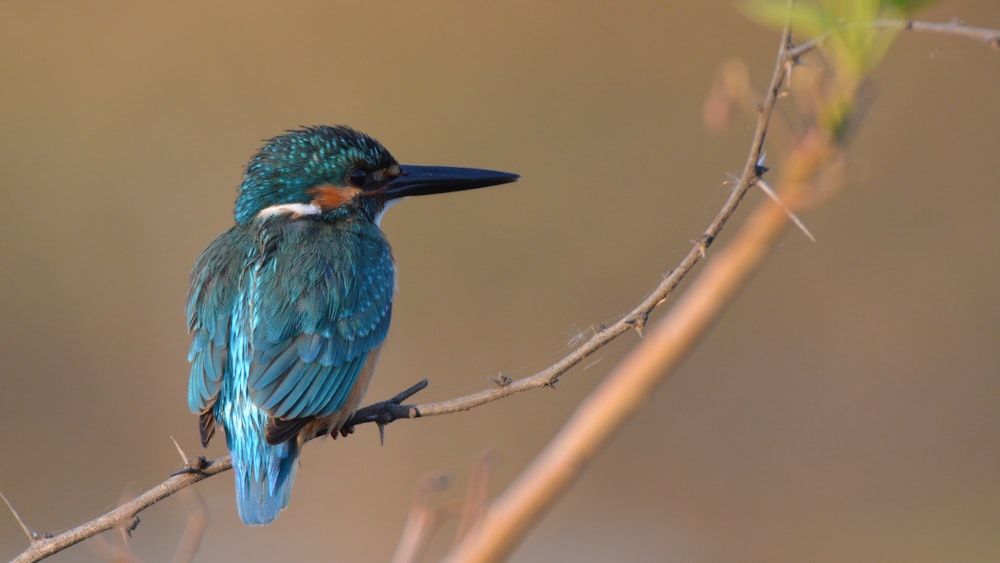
<point x="844" y="409"/>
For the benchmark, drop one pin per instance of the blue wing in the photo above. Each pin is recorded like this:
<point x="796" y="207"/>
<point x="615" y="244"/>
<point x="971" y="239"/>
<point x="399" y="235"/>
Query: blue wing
<point x="214" y="284"/>
<point x="322" y="302"/>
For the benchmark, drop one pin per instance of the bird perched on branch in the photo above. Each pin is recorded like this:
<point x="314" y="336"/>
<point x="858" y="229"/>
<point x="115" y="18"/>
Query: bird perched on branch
<point x="289" y="308"/>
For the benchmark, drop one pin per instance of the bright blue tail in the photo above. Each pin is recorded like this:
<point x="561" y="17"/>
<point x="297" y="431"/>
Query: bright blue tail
<point x="264" y="477"/>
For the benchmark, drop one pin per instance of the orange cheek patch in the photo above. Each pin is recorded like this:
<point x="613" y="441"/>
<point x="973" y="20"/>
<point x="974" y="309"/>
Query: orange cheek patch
<point x="329" y="196"/>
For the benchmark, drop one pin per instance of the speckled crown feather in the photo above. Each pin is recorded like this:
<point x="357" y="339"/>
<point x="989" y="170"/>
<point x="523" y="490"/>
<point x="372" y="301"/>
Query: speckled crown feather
<point x="284" y="169"/>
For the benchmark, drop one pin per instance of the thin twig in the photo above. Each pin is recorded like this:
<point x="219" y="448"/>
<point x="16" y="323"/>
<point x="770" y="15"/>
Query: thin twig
<point x="955" y="28"/>
<point x="769" y="191"/>
<point x="17" y="516"/>
<point x="180" y="451"/>
<point x="125" y="515"/>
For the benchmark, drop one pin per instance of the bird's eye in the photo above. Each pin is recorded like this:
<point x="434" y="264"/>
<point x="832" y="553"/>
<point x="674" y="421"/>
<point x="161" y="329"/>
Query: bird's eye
<point x="357" y="177"/>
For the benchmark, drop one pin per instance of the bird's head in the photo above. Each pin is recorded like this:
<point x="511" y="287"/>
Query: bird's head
<point x="319" y="169"/>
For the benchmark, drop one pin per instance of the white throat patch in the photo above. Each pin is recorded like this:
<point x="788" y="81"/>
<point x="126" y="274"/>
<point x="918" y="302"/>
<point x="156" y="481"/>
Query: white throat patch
<point x="388" y="204"/>
<point x="293" y="209"/>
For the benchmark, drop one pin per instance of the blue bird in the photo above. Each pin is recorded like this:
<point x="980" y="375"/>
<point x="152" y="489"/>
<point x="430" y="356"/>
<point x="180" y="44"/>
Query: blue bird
<point x="289" y="308"/>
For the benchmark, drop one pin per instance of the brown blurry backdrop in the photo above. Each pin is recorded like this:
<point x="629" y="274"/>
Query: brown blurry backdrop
<point x="844" y="409"/>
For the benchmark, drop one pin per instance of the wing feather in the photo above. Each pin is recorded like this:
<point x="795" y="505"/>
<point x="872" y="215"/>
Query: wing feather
<point x="322" y="302"/>
<point x="214" y="284"/>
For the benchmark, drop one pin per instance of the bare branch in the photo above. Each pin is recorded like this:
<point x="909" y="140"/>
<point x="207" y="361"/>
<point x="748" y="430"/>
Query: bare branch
<point x="125" y="516"/>
<point x="990" y="37"/>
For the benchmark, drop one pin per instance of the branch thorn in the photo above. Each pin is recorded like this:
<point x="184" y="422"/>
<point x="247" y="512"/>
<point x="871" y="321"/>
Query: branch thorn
<point x="32" y="536"/>
<point x="501" y="380"/>
<point x="760" y="168"/>
<point x="639" y="323"/>
<point x="794" y="218"/>
<point x="180" y="451"/>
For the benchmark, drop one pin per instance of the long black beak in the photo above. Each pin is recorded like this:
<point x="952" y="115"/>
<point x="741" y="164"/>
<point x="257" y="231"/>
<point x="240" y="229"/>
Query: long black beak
<point x="426" y="180"/>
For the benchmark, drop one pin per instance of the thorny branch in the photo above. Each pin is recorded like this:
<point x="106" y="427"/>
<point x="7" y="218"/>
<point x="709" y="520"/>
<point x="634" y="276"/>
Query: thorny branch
<point x="126" y="515"/>
<point x="382" y="413"/>
<point x="990" y="37"/>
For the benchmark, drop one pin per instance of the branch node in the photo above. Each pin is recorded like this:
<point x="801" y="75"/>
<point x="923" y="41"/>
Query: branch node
<point x="133" y="523"/>
<point x="639" y="323"/>
<point x="501" y="380"/>
<point x="759" y="167"/>
<point x="703" y="242"/>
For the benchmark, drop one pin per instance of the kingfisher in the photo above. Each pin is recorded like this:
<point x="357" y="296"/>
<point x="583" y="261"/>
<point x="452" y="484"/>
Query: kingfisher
<point x="289" y="308"/>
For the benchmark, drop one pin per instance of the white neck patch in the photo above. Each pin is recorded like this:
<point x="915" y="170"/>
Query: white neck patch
<point x="388" y="204"/>
<point x="293" y="209"/>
